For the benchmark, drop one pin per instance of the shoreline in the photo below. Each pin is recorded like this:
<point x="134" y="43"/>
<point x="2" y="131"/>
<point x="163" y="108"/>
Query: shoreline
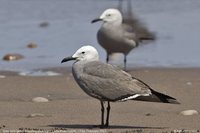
<point x="66" y="70"/>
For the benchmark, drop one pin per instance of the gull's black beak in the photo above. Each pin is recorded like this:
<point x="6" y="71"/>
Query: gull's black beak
<point x="96" y="20"/>
<point x="68" y="59"/>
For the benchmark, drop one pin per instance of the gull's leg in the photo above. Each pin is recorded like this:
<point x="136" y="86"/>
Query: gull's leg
<point x="125" y="62"/>
<point x="108" y="114"/>
<point x="102" y="113"/>
<point x="107" y="58"/>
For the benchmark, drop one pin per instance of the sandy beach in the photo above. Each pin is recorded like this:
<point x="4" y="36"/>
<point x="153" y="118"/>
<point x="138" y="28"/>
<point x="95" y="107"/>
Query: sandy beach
<point x="70" y="110"/>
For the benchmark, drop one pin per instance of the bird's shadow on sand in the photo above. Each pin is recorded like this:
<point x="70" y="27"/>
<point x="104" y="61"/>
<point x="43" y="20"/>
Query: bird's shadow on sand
<point x="78" y="126"/>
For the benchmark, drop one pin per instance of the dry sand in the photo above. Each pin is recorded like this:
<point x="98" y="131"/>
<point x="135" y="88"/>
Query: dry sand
<point x="71" y="110"/>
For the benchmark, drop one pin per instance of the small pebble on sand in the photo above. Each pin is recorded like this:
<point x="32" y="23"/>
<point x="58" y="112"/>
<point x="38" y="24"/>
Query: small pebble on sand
<point x="2" y="76"/>
<point x="148" y="114"/>
<point x="2" y="126"/>
<point x="35" y="115"/>
<point x="13" y="57"/>
<point x="39" y="99"/>
<point x="32" y="45"/>
<point x="189" y="83"/>
<point x="189" y="112"/>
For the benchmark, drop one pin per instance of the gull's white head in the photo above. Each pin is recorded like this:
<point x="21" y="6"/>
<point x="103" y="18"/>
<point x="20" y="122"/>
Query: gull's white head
<point x="110" y="16"/>
<point x="85" y="53"/>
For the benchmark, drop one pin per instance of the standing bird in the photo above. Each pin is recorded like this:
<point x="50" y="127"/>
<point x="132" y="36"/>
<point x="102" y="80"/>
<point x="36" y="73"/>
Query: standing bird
<point x="120" y="36"/>
<point x="114" y="36"/>
<point x="108" y="83"/>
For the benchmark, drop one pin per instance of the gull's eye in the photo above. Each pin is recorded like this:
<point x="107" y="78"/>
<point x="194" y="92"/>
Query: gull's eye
<point x="83" y="52"/>
<point x="108" y="15"/>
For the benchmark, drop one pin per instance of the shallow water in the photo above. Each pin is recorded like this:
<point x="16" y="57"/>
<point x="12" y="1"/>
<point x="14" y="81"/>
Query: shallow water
<point x="176" y="23"/>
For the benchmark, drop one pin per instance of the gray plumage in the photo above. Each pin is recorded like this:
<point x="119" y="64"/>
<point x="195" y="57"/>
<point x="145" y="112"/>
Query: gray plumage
<point x="108" y="83"/>
<point x="118" y="35"/>
<point x="114" y="36"/>
<point x="119" y="38"/>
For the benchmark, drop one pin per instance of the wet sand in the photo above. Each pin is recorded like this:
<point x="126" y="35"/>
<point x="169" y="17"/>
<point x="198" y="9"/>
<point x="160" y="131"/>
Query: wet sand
<point x="69" y="109"/>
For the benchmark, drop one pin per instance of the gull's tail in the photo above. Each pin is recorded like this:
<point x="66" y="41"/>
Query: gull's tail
<point x="156" y="96"/>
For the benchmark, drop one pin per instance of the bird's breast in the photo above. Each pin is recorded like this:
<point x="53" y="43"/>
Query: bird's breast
<point x="113" y="40"/>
